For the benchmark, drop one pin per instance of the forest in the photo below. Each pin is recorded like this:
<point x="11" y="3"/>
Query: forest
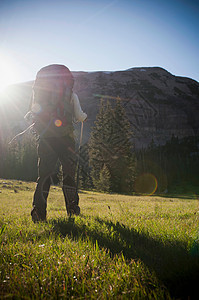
<point x="109" y="161"/>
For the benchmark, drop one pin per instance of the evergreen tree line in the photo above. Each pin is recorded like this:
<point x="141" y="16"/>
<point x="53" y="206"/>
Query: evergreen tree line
<point x="109" y="162"/>
<point x="175" y="164"/>
<point x="19" y="159"/>
<point x="112" y="164"/>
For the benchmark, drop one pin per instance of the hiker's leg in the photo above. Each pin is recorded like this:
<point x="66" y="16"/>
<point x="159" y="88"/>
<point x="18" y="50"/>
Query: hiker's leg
<point x="71" y="197"/>
<point x="68" y="160"/>
<point x="47" y="159"/>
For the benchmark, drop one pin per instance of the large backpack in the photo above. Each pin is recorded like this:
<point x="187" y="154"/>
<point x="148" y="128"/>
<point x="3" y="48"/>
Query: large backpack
<point x="51" y="106"/>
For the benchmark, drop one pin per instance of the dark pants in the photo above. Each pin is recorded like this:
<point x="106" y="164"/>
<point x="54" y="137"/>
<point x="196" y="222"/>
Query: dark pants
<point x="49" y="151"/>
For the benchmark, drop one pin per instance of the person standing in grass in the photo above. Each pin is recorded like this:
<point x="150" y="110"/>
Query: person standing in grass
<point x="54" y="106"/>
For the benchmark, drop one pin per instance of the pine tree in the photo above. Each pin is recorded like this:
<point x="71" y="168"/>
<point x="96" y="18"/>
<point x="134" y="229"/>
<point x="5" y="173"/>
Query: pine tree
<point x="99" y="148"/>
<point x="124" y="162"/>
<point x="104" y="183"/>
<point x="110" y="145"/>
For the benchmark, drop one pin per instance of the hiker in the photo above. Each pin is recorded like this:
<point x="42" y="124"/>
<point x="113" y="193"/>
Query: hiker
<point x="54" y="107"/>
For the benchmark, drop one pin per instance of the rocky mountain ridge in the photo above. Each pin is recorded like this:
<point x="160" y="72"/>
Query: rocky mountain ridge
<point x="158" y="104"/>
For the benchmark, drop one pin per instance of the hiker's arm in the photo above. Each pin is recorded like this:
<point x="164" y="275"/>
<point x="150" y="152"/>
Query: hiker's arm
<point x="78" y="112"/>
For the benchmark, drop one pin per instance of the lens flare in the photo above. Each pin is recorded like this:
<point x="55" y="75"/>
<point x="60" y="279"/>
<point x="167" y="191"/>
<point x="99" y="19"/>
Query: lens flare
<point x="58" y="123"/>
<point x="146" y="184"/>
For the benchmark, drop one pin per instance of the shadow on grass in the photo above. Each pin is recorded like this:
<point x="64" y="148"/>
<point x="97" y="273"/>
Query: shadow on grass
<point x="176" y="267"/>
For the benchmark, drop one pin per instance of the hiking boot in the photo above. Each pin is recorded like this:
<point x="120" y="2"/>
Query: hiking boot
<point x="36" y="216"/>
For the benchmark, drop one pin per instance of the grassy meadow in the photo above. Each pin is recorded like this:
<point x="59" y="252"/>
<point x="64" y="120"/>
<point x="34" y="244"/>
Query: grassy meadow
<point x="120" y="247"/>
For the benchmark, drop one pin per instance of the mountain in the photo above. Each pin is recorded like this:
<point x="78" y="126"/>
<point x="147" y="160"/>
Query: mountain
<point x="158" y="104"/>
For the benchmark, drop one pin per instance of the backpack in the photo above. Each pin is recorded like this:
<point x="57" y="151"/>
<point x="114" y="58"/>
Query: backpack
<point x="51" y="105"/>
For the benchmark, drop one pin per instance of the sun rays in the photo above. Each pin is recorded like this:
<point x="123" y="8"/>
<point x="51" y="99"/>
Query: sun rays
<point x="8" y="72"/>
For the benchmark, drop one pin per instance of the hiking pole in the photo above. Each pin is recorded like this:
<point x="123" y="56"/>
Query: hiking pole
<point x="79" y="150"/>
<point x="21" y="133"/>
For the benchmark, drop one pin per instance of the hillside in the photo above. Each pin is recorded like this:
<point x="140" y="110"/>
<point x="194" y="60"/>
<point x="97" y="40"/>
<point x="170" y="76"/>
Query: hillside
<point x="158" y="104"/>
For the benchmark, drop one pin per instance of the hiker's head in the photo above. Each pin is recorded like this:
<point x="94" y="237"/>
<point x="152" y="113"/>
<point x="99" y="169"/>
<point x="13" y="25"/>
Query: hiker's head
<point x="53" y="81"/>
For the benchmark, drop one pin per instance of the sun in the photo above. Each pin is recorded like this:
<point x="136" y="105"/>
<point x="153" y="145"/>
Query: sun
<point x="8" y="72"/>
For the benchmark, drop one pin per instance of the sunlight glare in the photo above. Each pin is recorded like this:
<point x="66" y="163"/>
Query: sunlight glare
<point x="8" y="72"/>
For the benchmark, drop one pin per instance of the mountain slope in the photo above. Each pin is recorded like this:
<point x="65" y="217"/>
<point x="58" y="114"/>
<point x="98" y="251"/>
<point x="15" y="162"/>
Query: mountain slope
<point x="158" y="104"/>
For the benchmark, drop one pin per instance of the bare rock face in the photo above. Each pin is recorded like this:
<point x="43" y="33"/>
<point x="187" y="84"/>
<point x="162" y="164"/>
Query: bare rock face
<point x="158" y="104"/>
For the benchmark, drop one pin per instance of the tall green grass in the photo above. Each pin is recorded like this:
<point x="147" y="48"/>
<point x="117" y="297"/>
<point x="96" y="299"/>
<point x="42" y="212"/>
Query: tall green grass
<point x="120" y="247"/>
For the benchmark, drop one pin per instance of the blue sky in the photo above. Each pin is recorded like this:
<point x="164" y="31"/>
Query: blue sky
<point x="98" y="35"/>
